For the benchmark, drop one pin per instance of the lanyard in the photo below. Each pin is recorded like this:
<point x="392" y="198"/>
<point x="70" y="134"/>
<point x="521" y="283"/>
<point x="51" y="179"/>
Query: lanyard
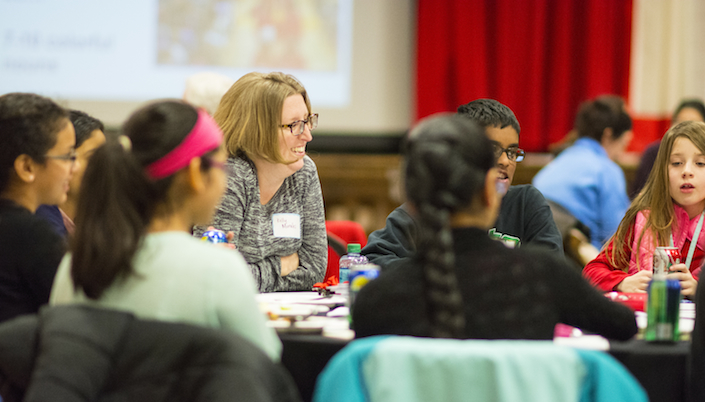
<point x="693" y="241"/>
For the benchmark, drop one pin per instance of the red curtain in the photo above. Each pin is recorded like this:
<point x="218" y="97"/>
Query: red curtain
<point x="539" y="57"/>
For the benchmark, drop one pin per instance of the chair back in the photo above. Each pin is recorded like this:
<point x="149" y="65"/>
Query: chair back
<point x="576" y="235"/>
<point x="340" y="233"/>
<point x="412" y="369"/>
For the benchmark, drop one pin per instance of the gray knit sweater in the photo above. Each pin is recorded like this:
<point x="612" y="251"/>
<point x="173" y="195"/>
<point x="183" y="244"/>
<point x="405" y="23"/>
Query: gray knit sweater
<point x="241" y="212"/>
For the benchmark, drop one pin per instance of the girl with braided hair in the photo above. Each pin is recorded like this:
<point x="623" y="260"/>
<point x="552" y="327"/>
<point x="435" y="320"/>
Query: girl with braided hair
<point x="461" y="283"/>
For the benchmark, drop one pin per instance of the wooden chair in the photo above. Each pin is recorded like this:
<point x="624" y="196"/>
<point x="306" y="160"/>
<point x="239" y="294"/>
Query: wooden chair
<point x="576" y="236"/>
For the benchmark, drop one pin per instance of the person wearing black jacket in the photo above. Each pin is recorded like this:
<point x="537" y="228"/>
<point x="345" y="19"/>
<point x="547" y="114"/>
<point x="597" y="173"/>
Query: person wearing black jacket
<point x="461" y="283"/>
<point x="81" y="353"/>
<point x="524" y="217"/>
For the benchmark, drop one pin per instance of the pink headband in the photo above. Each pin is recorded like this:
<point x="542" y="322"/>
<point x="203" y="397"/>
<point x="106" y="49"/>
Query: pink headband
<point x="204" y="137"/>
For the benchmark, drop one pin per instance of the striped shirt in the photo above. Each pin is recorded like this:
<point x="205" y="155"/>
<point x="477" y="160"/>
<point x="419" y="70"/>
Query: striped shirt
<point x="241" y="212"/>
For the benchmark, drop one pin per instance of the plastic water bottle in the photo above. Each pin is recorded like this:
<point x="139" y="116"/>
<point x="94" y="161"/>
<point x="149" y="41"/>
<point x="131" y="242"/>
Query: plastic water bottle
<point x="352" y="257"/>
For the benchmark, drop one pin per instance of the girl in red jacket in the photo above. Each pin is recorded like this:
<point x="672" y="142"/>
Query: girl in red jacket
<point x="667" y="212"/>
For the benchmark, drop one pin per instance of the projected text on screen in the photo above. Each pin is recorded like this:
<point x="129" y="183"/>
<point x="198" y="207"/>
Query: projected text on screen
<point x="145" y="49"/>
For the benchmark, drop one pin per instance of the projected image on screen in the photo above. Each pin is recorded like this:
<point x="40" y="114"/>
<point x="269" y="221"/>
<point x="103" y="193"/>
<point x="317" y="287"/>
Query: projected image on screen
<point x="276" y="34"/>
<point x="137" y="50"/>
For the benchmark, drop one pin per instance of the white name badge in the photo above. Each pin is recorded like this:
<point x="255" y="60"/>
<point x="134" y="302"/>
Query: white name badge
<point x="286" y="225"/>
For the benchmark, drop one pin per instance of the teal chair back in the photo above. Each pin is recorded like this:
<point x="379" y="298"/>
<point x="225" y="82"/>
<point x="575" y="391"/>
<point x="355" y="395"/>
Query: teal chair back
<point x="409" y="369"/>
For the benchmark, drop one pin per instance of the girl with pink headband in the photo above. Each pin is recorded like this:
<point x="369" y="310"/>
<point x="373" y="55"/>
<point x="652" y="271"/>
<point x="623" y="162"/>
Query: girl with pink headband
<point x="132" y="248"/>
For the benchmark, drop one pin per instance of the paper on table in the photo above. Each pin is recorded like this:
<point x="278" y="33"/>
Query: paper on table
<point x="686" y="323"/>
<point x="592" y="342"/>
<point x="300" y="298"/>
<point x="341" y="311"/>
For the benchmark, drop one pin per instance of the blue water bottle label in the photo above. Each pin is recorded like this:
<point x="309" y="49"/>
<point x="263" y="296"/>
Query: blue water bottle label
<point x="344" y="274"/>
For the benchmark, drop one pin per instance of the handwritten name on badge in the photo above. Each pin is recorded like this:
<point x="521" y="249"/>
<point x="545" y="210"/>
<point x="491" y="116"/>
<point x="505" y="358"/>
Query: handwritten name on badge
<point x="286" y="225"/>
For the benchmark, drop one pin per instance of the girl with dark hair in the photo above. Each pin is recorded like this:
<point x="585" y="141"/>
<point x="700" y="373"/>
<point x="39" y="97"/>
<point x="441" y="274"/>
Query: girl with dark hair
<point x="132" y="249"/>
<point x="462" y="284"/>
<point x="89" y="136"/>
<point x="37" y="159"/>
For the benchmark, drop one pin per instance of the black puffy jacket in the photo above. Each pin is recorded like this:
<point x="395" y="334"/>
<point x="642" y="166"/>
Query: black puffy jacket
<point x="81" y="353"/>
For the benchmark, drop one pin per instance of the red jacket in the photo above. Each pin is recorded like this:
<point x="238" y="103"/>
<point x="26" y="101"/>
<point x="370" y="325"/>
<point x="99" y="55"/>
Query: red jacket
<point x="606" y="276"/>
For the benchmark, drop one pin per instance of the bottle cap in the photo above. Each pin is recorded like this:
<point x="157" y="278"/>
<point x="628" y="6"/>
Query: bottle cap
<point x="354" y="248"/>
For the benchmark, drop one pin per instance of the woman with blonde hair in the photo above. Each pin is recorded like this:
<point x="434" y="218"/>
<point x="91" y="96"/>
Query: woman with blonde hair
<point x="273" y="204"/>
<point x="667" y="212"/>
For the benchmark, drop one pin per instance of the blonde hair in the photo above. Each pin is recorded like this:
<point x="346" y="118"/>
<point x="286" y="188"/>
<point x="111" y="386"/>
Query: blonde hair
<point x="250" y="114"/>
<point x="655" y="197"/>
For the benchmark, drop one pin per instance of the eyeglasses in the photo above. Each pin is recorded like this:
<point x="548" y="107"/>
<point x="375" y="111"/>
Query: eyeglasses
<point x="297" y="127"/>
<point x="515" y="154"/>
<point x="209" y="162"/>
<point x="217" y="164"/>
<point x="71" y="156"/>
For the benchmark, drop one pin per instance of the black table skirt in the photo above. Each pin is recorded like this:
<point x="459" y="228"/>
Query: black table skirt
<point x="660" y="368"/>
<point x="305" y="356"/>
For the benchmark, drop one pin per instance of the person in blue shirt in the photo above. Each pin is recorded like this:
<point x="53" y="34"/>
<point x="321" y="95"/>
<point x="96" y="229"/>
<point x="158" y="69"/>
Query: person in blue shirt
<point x="585" y="179"/>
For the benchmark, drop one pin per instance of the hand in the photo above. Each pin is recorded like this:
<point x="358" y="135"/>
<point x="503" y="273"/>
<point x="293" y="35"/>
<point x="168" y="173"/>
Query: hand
<point x="636" y="283"/>
<point x="230" y="236"/>
<point x="289" y="264"/>
<point x="682" y="273"/>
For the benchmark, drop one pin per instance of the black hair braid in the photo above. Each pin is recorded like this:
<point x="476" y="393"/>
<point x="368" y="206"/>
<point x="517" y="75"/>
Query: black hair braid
<point x="434" y="202"/>
<point x="442" y="293"/>
<point x="447" y="161"/>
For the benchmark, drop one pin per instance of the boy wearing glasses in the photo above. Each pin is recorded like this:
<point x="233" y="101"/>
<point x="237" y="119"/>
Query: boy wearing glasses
<point x="524" y="215"/>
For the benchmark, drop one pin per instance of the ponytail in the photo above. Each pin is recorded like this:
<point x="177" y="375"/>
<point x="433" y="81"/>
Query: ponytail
<point x="447" y="159"/>
<point x="112" y="219"/>
<point x="118" y="200"/>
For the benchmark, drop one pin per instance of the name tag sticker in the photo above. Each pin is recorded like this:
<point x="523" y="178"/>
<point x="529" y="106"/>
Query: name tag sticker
<point x="286" y="225"/>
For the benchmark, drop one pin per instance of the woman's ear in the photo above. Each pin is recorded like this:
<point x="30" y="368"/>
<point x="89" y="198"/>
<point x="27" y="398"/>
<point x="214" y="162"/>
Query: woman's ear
<point x="195" y="177"/>
<point x="25" y="168"/>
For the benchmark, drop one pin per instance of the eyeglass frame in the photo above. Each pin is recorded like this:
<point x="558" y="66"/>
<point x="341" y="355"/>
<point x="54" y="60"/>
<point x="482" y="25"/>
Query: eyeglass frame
<point x="519" y="153"/>
<point x="72" y="156"/>
<point x="212" y="163"/>
<point x="312" y="126"/>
